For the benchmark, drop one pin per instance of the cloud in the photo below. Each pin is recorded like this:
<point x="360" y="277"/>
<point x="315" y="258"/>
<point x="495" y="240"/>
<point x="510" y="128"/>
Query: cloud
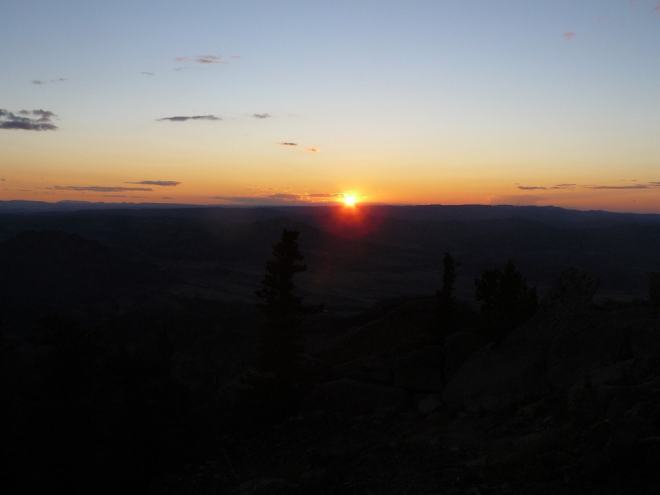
<point x="122" y="196"/>
<point x="569" y="35"/>
<point x="209" y="59"/>
<point x="563" y="186"/>
<point x="261" y="115"/>
<point x="313" y="150"/>
<point x="161" y="183"/>
<point x="202" y="59"/>
<point x="518" y="199"/>
<point x="532" y="188"/>
<point x="183" y="118"/>
<point x="101" y="189"/>
<point x="27" y="120"/>
<point x="253" y="200"/>
<point x="282" y="199"/>
<point x="288" y="143"/>
<point x="147" y="73"/>
<point x="285" y="197"/>
<point x="40" y="82"/>
<point x="326" y="195"/>
<point x="604" y="187"/>
<point x="632" y="186"/>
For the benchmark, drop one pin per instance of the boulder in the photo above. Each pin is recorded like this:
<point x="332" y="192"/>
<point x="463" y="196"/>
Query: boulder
<point x="495" y="378"/>
<point x="421" y="370"/>
<point x="429" y="404"/>
<point x="459" y="347"/>
<point x="370" y="369"/>
<point x="354" y="398"/>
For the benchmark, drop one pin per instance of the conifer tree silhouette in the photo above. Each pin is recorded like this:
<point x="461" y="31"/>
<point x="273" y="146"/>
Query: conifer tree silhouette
<point x="279" y="346"/>
<point x="446" y="293"/>
<point x="654" y="293"/>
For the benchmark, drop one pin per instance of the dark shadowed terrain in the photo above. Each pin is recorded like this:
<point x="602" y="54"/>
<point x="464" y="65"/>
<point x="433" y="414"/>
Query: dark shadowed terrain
<point x="132" y="350"/>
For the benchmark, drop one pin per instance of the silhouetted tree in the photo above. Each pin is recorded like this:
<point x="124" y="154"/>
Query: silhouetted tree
<point x="654" y="293"/>
<point x="446" y="298"/>
<point x="280" y="346"/>
<point x="506" y="301"/>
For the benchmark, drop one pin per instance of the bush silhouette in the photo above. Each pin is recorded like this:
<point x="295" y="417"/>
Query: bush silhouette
<point x="506" y="300"/>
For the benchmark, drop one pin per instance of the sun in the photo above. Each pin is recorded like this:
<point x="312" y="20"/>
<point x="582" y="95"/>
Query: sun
<point x="350" y="200"/>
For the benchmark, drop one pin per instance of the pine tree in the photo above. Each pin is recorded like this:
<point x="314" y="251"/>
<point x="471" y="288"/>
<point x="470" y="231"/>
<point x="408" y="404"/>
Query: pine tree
<point x="280" y="346"/>
<point x="446" y="293"/>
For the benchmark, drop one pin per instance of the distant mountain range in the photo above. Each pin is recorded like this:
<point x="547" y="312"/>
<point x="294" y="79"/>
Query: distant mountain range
<point x="353" y="257"/>
<point x="403" y="212"/>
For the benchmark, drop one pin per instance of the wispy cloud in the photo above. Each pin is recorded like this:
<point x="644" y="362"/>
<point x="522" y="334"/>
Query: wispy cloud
<point x="282" y="199"/>
<point x="40" y="82"/>
<point x="312" y="149"/>
<point x="184" y="118"/>
<point x="147" y="73"/>
<point x="602" y="187"/>
<point x="123" y="196"/>
<point x="563" y="186"/>
<point x="209" y="59"/>
<point x="518" y="199"/>
<point x="285" y="197"/>
<point x="27" y="120"/>
<point x="326" y="195"/>
<point x="100" y="189"/>
<point x="161" y="183"/>
<point x="532" y="188"/>
<point x="624" y="187"/>
<point x="261" y="115"/>
<point x="288" y="143"/>
<point x="569" y="35"/>
<point x="202" y="59"/>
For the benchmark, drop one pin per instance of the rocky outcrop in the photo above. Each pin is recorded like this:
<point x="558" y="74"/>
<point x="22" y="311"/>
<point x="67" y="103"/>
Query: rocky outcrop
<point x="354" y="398"/>
<point x="421" y="370"/>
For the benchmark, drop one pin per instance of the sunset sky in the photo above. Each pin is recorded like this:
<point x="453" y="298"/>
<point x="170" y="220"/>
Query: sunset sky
<point x="286" y="102"/>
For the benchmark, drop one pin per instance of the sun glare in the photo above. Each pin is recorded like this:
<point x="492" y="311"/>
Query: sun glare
<point x="350" y="200"/>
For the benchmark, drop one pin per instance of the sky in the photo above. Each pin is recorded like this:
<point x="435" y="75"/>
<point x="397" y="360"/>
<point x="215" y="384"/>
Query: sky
<point x="547" y="102"/>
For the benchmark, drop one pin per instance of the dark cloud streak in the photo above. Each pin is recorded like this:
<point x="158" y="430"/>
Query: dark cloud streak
<point x="161" y="183"/>
<point x="100" y="189"/>
<point x="184" y="118"/>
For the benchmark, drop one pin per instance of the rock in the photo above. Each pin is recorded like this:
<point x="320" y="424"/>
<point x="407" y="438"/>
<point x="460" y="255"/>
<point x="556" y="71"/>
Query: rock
<point x="429" y="404"/>
<point x="264" y="486"/>
<point x="458" y="348"/>
<point x="496" y="378"/>
<point x="351" y="397"/>
<point x="421" y="370"/>
<point x="371" y="369"/>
